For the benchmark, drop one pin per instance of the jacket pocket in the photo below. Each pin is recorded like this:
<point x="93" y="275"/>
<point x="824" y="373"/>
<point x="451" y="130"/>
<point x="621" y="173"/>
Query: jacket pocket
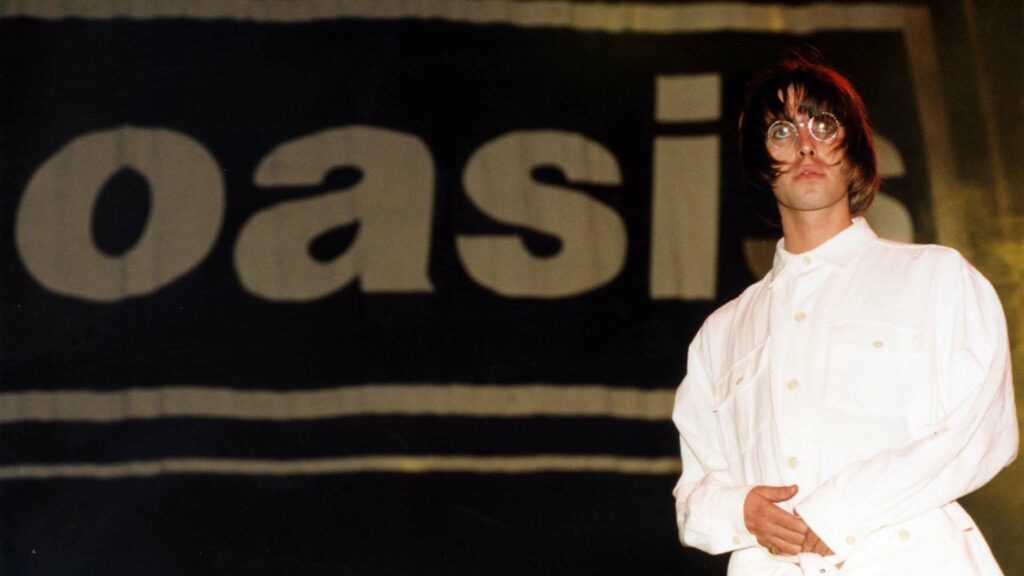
<point x="744" y="412"/>
<point x="873" y="369"/>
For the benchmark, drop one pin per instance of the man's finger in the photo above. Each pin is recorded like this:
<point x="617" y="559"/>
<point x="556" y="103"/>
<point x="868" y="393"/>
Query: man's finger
<point x="783" y="546"/>
<point x="785" y="519"/>
<point x="777" y="493"/>
<point x="810" y="542"/>
<point x="781" y="533"/>
<point x="822" y="548"/>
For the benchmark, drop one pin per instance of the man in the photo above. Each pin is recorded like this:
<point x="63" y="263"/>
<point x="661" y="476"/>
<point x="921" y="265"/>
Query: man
<point x="832" y="414"/>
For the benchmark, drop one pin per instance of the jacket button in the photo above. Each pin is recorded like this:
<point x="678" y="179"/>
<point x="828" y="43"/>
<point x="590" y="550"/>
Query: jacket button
<point x="851" y="540"/>
<point x="736" y="539"/>
<point x="792" y="384"/>
<point x="800" y="316"/>
<point x="903" y="534"/>
<point x="793" y="463"/>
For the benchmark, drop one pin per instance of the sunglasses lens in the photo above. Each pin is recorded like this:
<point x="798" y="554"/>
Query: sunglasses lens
<point x="781" y="134"/>
<point x="823" y="127"/>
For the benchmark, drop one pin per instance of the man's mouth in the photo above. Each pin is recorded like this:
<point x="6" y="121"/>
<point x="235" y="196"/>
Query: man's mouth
<point x="808" y="172"/>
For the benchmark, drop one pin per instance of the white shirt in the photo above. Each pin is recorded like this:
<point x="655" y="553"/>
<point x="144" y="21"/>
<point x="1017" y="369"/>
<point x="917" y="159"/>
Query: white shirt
<point x="874" y="375"/>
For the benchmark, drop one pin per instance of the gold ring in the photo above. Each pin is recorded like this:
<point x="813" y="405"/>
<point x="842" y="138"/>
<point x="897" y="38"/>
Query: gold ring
<point x="773" y="550"/>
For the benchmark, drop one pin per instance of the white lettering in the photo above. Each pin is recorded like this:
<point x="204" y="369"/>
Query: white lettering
<point x="685" y="199"/>
<point x="53" y="231"/>
<point x="684" y="218"/>
<point x="887" y="215"/>
<point x="393" y="205"/>
<point x="593" y="236"/>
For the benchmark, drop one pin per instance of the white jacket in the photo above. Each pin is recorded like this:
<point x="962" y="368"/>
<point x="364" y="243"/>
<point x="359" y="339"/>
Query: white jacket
<point x="874" y="375"/>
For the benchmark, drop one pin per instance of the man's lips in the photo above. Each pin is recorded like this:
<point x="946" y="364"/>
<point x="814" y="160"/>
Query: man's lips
<point x="808" y="172"/>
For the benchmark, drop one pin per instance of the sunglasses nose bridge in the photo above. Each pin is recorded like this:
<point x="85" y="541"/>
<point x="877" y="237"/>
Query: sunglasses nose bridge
<point x="803" y="131"/>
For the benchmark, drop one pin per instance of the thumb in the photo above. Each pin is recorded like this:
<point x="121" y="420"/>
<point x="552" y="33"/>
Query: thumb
<point x="779" y="493"/>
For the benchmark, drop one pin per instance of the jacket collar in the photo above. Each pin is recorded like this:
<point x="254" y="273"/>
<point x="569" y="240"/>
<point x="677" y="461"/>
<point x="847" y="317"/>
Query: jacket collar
<point x="839" y="250"/>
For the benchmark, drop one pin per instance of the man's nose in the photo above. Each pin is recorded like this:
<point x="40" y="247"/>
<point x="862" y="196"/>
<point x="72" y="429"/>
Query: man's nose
<point x="804" y="142"/>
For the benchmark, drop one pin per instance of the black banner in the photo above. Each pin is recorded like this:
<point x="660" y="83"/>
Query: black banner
<point x="388" y="289"/>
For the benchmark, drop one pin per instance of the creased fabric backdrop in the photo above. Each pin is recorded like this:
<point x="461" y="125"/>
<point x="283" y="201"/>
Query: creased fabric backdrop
<point x="388" y="287"/>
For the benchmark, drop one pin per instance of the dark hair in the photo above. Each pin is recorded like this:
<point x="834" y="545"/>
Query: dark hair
<point x="821" y="89"/>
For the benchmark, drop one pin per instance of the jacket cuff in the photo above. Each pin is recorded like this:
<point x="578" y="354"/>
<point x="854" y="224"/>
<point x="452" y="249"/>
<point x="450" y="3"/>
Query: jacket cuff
<point x="732" y="500"/>
<point x="729" y="532"/>
<point x="832" y="523"/>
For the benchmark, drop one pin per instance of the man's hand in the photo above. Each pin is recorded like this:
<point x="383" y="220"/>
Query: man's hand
<point x="773" y="527"/>
<point x="814" y="544"/>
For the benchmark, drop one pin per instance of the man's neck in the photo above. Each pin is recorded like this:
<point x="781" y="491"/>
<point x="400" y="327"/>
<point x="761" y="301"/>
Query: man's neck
<point x="805" y="231"/>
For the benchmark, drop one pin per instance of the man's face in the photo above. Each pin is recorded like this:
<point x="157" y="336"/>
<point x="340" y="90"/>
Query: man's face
<point x="812" y="175"/>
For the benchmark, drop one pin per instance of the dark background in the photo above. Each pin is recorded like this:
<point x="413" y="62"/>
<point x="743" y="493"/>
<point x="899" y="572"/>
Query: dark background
<point x="241" y="89"/>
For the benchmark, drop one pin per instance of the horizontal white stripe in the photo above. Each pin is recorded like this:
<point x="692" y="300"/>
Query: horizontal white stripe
<point x="368" y="464"/>
<point x="587" y="16"/>
<point x="364" y="400"/>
